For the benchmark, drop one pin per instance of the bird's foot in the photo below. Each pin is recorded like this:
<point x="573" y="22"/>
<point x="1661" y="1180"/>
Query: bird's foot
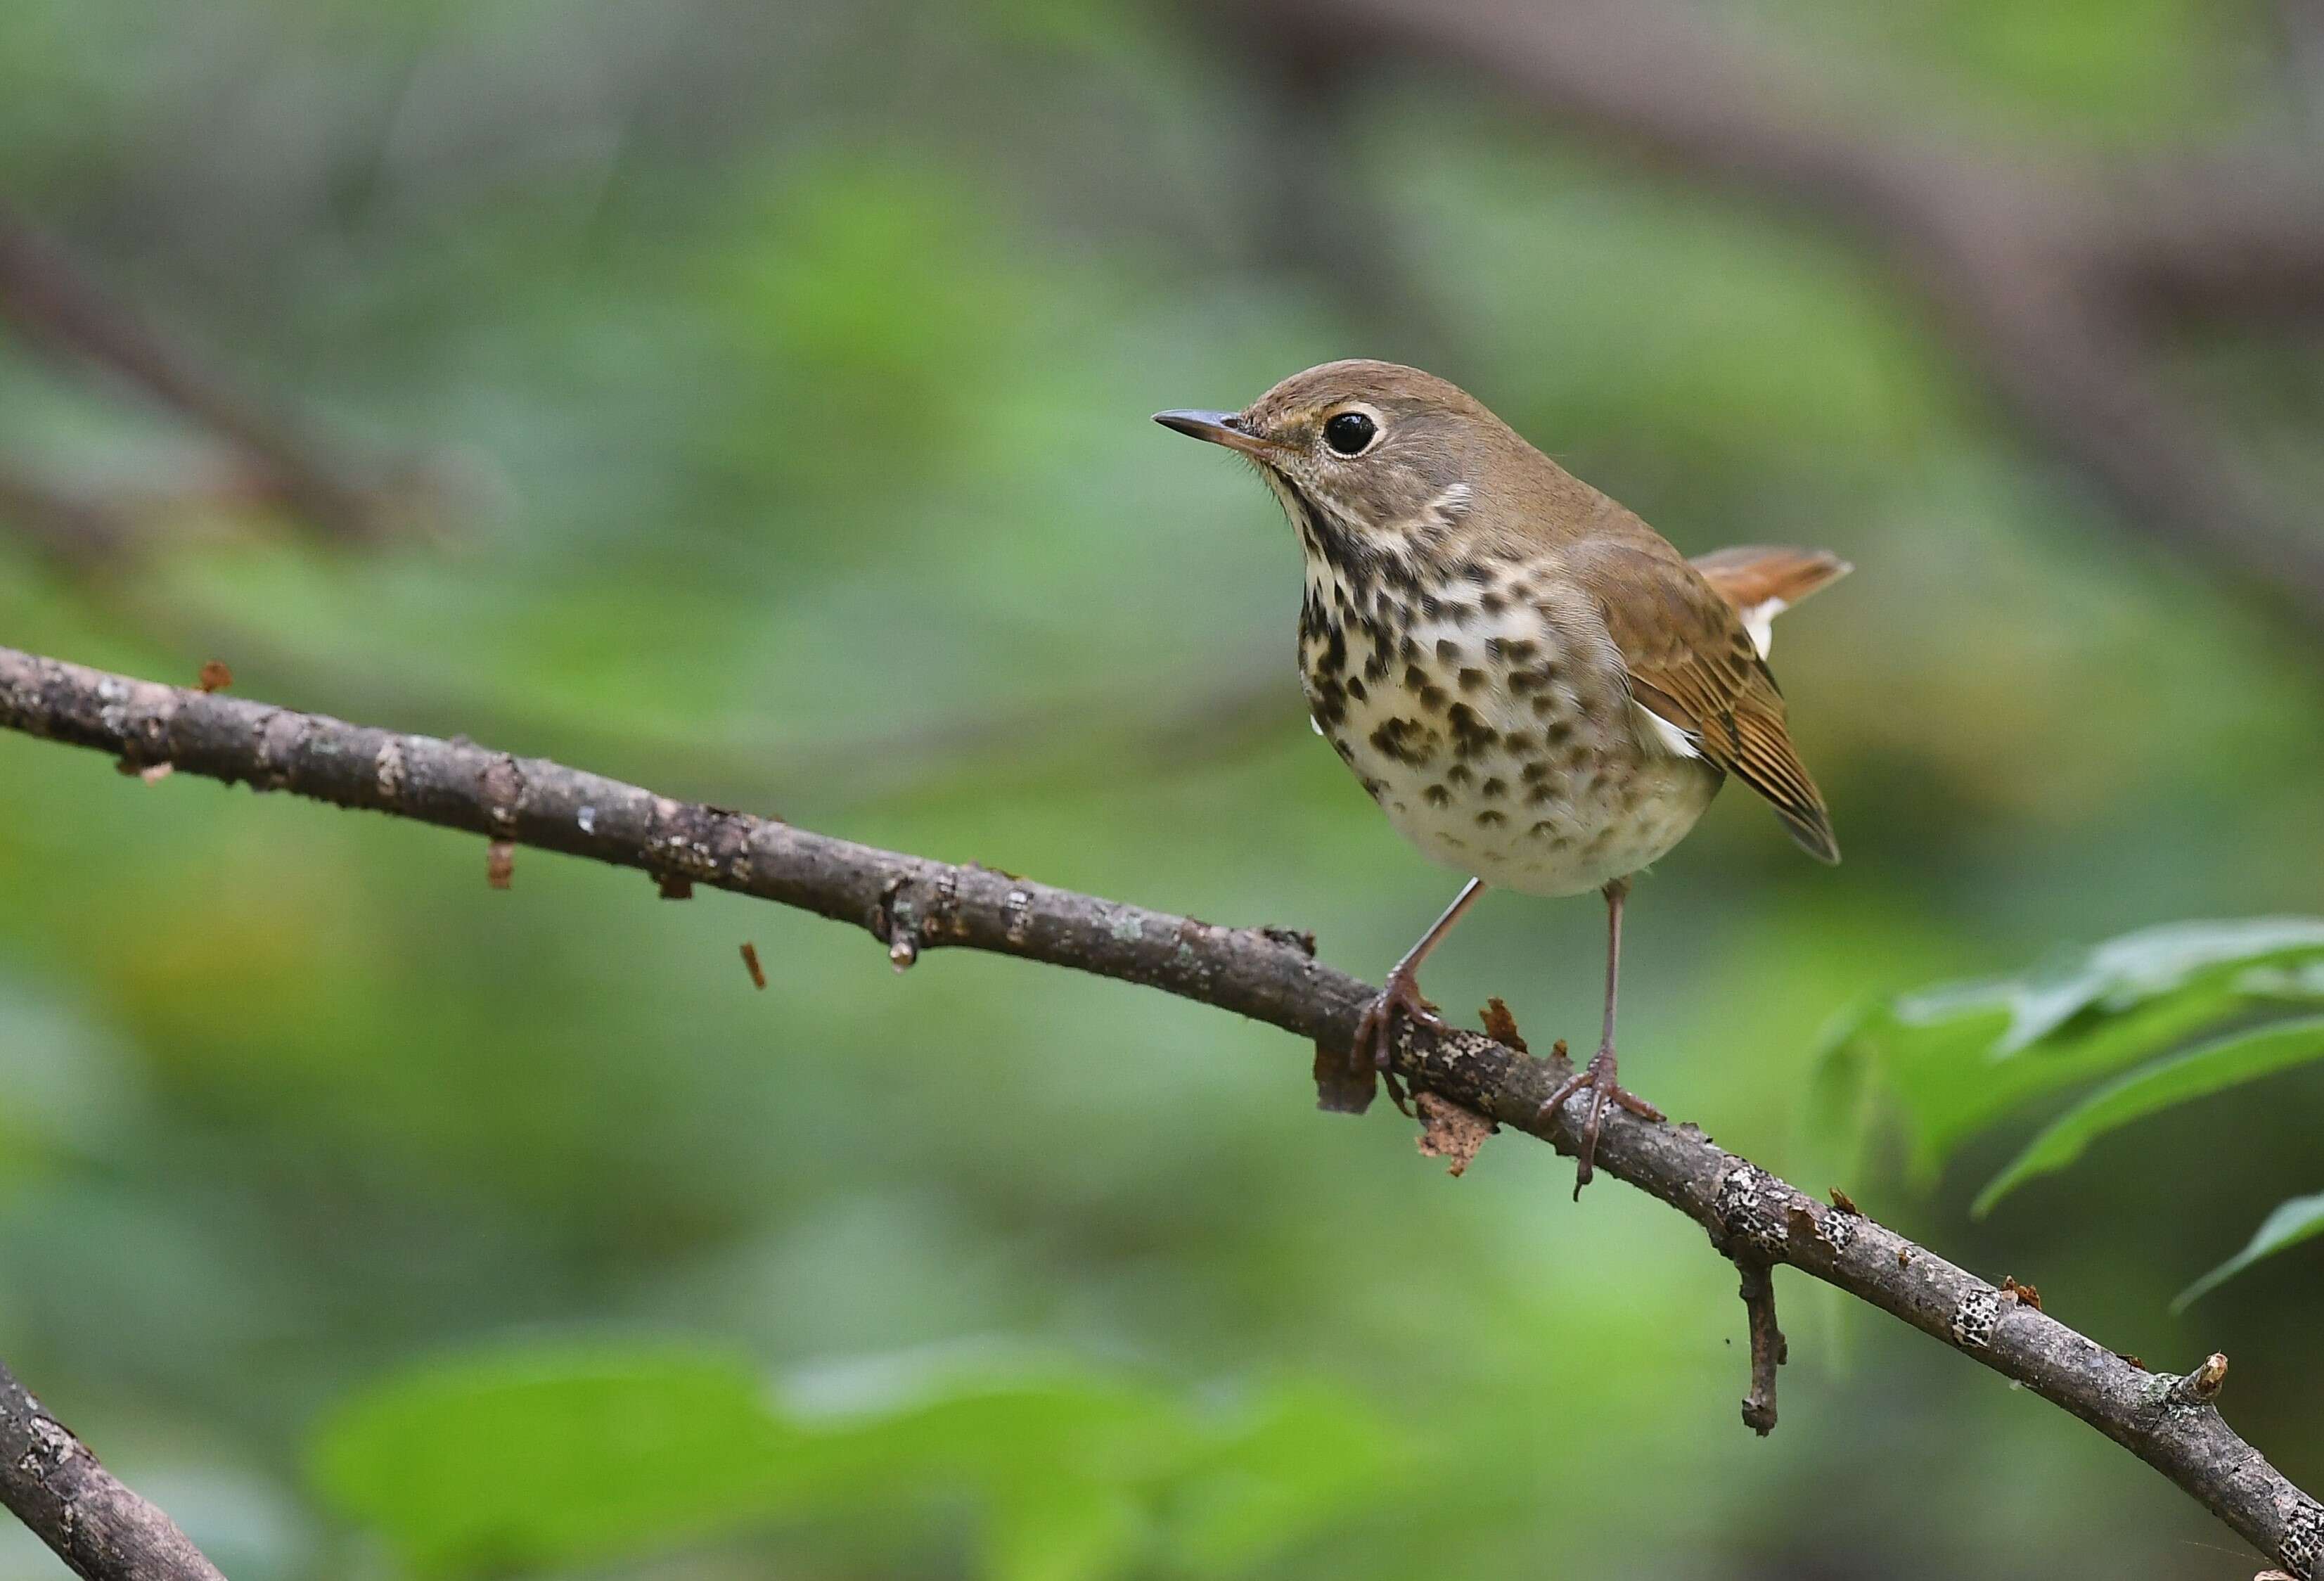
<point x="1373" y="1046"/>
<point x="1598" y="1077"/>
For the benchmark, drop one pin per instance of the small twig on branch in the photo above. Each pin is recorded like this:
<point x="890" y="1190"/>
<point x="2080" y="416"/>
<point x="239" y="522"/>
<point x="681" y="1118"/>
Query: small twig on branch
<point x="2202" y="1385"/>
<point x="1768" y="1350"/>
<point x="1744" y="1209"/>
<point x="97" y="1525"/>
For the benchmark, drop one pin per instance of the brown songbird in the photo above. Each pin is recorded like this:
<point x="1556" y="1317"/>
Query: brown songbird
<point x="1536" y="688"/>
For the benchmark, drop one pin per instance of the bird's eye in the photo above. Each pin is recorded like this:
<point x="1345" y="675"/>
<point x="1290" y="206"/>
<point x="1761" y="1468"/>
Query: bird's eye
<point x="1350" y="432"/>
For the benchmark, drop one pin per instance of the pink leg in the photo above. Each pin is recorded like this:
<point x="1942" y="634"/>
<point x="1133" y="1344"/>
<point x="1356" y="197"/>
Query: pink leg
<point x="1370" y="1048"/>
<point x="1598" y="1076"/>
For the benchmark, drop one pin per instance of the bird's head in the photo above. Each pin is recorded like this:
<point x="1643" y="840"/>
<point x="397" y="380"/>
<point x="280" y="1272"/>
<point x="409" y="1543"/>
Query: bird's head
<point x="1371" y="450"/>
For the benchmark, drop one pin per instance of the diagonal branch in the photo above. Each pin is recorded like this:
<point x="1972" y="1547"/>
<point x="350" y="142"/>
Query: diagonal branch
<point x="70" y="530"/>
<point x="913" y="904"/>
<point x="60" y="310"/>
<point x="71" y="1502"/>
<point x="2244" y="233"/>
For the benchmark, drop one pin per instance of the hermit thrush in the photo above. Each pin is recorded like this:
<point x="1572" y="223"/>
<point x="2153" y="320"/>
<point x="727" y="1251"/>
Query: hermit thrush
<point x="1534" y="685"/>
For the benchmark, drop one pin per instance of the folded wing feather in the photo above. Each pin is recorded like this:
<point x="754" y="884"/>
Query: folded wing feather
<point x="1697" y="660"/>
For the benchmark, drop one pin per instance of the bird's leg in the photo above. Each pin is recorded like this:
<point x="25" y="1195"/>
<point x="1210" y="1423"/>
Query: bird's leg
<point x="1598" y="1076"/>
<point x="1370" y="1050"/>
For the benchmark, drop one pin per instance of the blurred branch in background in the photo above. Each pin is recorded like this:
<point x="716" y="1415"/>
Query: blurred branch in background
<point x="2052" y="268"/>
<point x="1310" y="212"/>
<point x="76" y="322"/>
<point x="85" y="531"/>
<point x="912" y="904"/>
<point x="68" y="1500"/>
<point x="76" y="534"/>
<point x="2301" y="24"/>
<point x="2234" y="236"/>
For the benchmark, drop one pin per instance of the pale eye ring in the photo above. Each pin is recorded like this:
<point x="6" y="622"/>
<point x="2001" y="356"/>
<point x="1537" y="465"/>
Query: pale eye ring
<point x="1350" y="433"/>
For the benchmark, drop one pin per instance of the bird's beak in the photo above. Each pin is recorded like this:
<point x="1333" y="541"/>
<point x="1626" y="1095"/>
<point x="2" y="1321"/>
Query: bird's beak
<point x="1220" y="428"/>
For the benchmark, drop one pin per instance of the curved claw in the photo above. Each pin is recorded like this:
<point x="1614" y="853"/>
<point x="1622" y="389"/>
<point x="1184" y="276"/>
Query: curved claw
<point x="1597" y="1076"/>
<point x="1372" y="1047"/>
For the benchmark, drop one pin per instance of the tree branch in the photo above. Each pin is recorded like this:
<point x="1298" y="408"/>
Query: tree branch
<point x="70" y="1502"/>
<point x="914" y="905"/>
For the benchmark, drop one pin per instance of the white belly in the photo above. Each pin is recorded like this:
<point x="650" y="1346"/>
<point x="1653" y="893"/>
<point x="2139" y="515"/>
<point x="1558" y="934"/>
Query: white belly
<point x="1528" y="767"/>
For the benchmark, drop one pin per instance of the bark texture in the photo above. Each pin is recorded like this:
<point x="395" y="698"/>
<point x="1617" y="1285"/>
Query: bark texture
<point x="71" y="1502"/>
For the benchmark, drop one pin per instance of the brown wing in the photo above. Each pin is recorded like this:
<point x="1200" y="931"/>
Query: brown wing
<point x="1693" y="664"/>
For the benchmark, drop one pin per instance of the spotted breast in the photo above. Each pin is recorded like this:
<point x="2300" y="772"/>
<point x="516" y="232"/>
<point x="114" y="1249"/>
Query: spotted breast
<point x="1488" y="716"/>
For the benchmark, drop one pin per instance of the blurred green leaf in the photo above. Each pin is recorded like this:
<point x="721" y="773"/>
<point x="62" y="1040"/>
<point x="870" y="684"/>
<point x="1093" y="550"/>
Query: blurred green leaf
<point x="1083" y="1473"/>
<point x="537" y="1454"/>
<point x="1062" y="1528"/>
<point x="2291" y="1222"/>
<point x="64" y="1084"/>
<point x="2298" y="984"/>
<point x="992" y="1418"/>
<point x="2122" y="63"/>
<point x="2134" y="971"/>
<point x="544" y="1454"/>
<point x="1953" y="1059"/>
<point x="2230" y="1061"/>
<point x="1309" y="1456"/>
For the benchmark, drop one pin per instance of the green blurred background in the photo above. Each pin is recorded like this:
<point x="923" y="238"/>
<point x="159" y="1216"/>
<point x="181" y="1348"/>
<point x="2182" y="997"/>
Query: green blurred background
<point x="760" y="395"/>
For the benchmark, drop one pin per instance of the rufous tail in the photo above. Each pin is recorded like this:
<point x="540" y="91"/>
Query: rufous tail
<point x="1762" y="580"/>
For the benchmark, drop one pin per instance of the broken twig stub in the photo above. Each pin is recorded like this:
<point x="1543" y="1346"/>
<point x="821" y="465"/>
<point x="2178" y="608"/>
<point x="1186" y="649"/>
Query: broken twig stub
<point x="1502" y="1027"/>
<point x="1769" y="1349"/>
